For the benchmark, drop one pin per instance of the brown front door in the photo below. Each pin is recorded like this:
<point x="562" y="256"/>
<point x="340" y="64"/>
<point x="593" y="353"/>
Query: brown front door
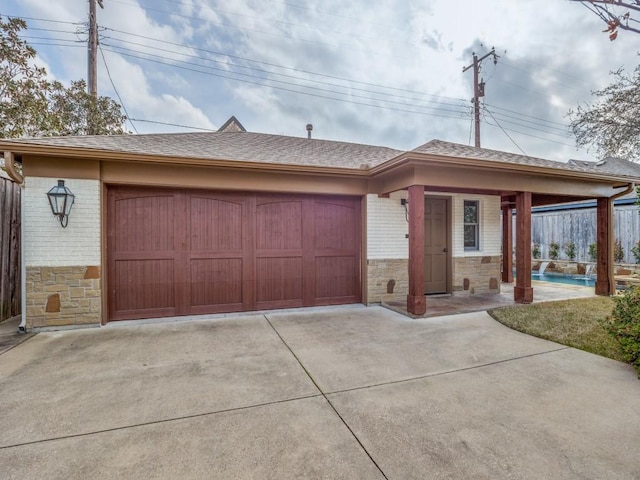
<point x="436" y="245"/>
<point x="185" y="252"/>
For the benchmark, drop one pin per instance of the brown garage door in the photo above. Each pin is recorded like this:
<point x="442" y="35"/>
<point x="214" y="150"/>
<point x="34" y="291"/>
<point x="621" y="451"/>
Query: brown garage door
<point x="186" y="252"/>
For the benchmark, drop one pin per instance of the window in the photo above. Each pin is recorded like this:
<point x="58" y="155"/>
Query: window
<point x="471" y="225"/>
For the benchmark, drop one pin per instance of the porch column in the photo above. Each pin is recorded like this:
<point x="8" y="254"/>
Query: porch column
<point x="507" y="245"/>
<point x="605" y="283"/>
<point x="522" y="292"/>
<point x="416" y="301"/>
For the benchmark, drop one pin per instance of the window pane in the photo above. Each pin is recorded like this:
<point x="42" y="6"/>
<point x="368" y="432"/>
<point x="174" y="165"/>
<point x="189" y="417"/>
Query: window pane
<point x="470" y="236"/>
<point x="470" y="212"/>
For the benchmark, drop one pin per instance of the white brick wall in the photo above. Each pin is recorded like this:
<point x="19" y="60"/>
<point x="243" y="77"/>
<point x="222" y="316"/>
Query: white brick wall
<point x="46" y="243"/>
<point x="387" y="226"/>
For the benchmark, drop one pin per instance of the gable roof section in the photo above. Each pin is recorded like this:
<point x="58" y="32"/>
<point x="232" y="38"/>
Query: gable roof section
<point x="232" y="125"/>
<point x="225" y="146"/>
<point x="611" y="166"/>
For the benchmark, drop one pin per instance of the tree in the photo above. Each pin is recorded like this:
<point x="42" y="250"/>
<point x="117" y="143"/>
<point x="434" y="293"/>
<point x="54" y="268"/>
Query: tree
<point x="31" y="105"/>
<point x="23" y="87"/>
<point x="611" y="124"/>
<point x="616" y="14"/>
<point x="74" y="111"/>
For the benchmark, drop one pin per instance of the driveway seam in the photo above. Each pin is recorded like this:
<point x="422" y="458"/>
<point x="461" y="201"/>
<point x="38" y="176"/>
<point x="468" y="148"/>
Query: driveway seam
<point x="446" y="372"/>
<point x="18" y="343"/>
<point x="344" y="422"/>
<point x="157" y="422"/>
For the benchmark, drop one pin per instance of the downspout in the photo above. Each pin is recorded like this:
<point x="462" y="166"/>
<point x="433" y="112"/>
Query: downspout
<point x="19" y="179"/>
<point x="626" y="191"/>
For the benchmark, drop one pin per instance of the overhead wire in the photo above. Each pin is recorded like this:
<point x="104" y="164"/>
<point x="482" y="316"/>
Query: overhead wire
<point x="326" y="97"/>
<point x="505" y="132"/>
<point x="173" y="124"/>
<point x="270" y="64"/>
<point x="250" y="66"/>
<point x="104" y="60"/>
<point x="457" y="105"/>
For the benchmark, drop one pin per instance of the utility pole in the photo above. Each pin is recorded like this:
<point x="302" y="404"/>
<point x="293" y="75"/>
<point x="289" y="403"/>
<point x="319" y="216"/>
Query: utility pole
<point x="478" y="88"/>
<point x="92" y="74"/>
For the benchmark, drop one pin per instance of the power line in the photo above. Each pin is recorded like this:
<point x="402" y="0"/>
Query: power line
<point x="326" y="97"/>
<point x="308" y="72"/>
<point x="41" y="19"/>
<point x="173" y="124"/>
<point x="457" y="106"/>
<point x="225" y="74"/>
<point x="116" y="90"/>
<point x="524" y="114"/>
<point x="504" y="131"/>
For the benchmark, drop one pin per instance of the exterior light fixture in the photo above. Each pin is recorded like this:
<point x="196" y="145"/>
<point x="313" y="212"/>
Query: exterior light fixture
<point x="61" y="199"/>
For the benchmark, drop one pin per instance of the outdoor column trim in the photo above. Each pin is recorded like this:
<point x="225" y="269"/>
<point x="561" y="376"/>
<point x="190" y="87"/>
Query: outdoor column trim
<point x="507" y="244"/>
<point x="522" y="292"/>
<point x="605" y="282"/>
<point x="416" y="301"/>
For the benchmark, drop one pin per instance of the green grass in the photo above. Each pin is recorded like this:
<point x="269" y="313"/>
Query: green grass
<point x="575" y="323"/>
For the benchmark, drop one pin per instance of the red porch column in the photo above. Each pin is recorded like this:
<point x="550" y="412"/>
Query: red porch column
<point x="522" y="292"/>
<point x="507" y="245"/>
<point x="416" y="301"/>
<point x="605" y="283"/>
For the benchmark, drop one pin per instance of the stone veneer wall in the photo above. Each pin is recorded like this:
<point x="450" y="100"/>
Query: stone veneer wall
<point x="473" y="275"/>
<point x="58" y="296"/>
<point x="384" y="275"/>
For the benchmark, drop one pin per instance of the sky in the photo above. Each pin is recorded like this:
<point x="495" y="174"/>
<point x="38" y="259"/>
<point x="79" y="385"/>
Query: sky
<point x="385" y="73"/>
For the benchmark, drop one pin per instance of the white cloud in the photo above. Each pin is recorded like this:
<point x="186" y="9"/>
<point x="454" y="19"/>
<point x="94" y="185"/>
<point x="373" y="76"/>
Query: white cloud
<point x="556" y="55"/>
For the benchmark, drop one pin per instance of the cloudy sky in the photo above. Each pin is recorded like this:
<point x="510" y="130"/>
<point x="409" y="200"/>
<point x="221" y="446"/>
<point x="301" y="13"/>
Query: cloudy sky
<point x="387" y="72"/>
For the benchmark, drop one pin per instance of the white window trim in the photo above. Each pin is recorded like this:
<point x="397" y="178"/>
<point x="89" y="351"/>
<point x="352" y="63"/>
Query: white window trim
<point x="477" y="248"/>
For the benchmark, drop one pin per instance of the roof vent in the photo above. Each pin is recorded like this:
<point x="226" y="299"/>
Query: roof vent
<point x="309" y="128"/>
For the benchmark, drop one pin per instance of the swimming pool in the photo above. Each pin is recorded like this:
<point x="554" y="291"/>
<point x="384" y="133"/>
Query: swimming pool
<point x="566" y="279"/>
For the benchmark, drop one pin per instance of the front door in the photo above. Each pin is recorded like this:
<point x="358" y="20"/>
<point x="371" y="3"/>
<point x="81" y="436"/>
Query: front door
<point x="436" y="245"/>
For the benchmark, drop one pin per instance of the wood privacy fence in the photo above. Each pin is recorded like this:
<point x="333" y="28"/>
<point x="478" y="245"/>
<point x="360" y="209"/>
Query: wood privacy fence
<point x="10" y="265"/>
<point x="579" y="226"/>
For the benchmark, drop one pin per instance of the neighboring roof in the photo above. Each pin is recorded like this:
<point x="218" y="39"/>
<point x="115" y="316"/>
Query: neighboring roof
<point x="233" y="146"/>
<point x="232" y="125"/>
<point x="619" y="202"/>
<point x="611" y="166"/>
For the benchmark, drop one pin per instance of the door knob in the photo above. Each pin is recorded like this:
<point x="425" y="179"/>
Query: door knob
<point x="445" y="250"/>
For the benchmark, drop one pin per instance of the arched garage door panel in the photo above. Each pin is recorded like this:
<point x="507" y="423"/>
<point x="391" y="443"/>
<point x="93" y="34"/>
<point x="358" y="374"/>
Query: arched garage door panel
<point x="181" y="252"/>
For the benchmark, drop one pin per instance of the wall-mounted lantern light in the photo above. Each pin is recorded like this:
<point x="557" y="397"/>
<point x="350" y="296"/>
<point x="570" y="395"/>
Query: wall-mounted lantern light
<point x="405" y="203"/>
<point x="61" y="199"/>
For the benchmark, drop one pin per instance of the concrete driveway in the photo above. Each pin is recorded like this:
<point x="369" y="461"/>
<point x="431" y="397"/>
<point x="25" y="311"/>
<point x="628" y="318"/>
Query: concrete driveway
<point x="353" y="393"/>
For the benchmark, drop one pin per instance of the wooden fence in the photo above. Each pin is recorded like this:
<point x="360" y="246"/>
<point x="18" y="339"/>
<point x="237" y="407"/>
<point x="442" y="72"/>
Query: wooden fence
<point x="579" y="227"/>
<point x="10" y="265"/>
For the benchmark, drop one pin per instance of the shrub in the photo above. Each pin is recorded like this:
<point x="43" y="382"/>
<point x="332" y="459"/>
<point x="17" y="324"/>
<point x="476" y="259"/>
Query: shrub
<point x="570" y="250"/>
<point x="554" y="250"/>
<point x="535" y="252"/>
<point x="618" y="252"/>
<point x="636" y="251"/>
<point x="624" y="325"/>
<point x="593" y="251"/>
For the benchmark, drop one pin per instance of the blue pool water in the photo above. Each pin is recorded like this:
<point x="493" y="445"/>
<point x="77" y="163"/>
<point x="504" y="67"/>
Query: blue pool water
<point x="567" y="279"/>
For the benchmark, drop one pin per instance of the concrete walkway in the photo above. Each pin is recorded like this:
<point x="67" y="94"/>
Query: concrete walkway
<point x="336" y="393"/>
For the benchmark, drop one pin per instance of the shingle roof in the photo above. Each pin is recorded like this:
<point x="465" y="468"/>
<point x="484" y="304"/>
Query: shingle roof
<point x="279" y="149"/>
<point x="611" y="166"/>
<point x="234" y="146"/>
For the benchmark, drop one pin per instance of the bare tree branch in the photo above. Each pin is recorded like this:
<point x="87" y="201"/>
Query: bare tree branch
<point x="616" y="14"/>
